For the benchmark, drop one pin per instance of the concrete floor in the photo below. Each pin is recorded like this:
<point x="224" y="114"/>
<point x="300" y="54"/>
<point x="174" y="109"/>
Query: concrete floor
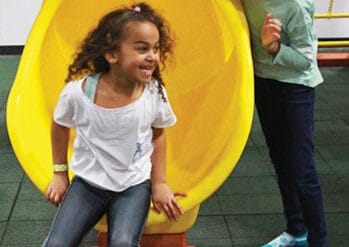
<point x="245" y="211"/>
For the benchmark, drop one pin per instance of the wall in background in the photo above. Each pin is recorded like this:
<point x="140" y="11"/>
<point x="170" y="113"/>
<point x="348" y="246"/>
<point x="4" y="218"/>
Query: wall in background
<point x="332" y="28"/>
<point x="17" y="17"/>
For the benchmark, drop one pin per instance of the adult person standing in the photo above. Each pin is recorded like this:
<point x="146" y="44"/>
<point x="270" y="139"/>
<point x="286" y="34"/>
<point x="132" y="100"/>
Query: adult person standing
<point x="286" y="73"/>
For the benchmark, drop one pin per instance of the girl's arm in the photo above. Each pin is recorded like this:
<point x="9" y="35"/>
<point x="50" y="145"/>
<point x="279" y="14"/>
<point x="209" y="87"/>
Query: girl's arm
<point x="60" y="180"/>
<point x="162" y="196"/>
<point x="297" y="55"/>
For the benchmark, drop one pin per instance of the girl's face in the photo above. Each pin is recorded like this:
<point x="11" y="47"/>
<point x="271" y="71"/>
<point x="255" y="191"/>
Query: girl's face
<point x="138" y="52"/>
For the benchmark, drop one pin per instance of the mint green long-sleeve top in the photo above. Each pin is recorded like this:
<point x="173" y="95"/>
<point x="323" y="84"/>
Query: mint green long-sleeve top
<point x="296" y="60"/>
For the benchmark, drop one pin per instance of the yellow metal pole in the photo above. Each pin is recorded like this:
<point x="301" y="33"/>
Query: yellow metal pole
<point x="337" y="43"/>
<point x="332" y="15"/>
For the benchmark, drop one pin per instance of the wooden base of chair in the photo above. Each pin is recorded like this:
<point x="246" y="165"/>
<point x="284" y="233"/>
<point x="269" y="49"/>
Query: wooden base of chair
<point x="333" y="59"/>
<point x="153" y="240"/>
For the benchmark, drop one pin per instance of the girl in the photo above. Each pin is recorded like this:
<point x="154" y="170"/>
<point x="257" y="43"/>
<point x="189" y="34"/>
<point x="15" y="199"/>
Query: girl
<point x="286" y="75"/>
<point x="119" y="111"/>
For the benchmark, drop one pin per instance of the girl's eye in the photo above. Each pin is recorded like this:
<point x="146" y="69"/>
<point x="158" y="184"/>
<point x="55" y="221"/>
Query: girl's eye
<point x="147" y="49"/>
<point x="142" y="49"/>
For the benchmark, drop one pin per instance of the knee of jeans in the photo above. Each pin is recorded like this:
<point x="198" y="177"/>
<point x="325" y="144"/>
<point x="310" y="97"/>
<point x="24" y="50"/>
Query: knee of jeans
<point x="308" y="184"/>
<point x="124" y="240"/>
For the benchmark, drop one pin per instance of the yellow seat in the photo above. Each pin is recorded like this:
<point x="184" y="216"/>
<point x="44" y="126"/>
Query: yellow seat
<point x="210" y="84"/>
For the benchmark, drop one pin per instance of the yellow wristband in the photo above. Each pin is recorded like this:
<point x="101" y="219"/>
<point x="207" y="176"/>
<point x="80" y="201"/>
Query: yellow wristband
<point x="60" y="167"/>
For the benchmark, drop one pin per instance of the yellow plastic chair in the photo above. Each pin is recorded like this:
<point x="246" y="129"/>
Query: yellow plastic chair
<point x="210" y="84"/>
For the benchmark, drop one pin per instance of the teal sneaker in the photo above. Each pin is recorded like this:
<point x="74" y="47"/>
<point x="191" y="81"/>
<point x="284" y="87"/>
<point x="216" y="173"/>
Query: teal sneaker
<point x="287" y="240"/>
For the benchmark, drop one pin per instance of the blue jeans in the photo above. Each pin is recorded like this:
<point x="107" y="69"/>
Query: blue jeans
<point x="286" y="115"/>
<point x="83" y="205"/>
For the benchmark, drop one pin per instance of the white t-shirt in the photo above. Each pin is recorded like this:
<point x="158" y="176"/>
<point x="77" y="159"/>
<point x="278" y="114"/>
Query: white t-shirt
<point x="112" y="147"/>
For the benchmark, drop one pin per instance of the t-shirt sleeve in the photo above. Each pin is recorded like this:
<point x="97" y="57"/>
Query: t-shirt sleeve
<point x="64" y="110"/>
<point x="289" y="57"/>
<point x="165" y="116"/>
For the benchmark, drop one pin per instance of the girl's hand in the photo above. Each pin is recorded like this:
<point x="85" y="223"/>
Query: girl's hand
<point x="164" y="199"/>
<point x="57" y="187"/>
<point x="270" y="34"/>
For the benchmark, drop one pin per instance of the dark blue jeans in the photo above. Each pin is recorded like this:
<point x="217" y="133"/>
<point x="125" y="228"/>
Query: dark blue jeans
<point x="83" y="205"/>
<point x="286" y="116"/>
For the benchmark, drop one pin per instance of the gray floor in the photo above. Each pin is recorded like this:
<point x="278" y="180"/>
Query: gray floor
<point x="245" y="211"/>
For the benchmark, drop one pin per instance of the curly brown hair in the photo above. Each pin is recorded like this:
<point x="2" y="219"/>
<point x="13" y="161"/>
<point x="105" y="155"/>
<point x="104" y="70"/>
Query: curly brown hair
<point x="106" y="37"/>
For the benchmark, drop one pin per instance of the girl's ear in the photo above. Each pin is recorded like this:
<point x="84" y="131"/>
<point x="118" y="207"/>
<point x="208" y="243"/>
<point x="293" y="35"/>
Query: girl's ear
<point x="111" y="57"/>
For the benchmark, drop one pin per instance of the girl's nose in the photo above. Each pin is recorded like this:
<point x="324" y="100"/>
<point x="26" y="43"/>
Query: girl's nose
<point x="153" y="56"/>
